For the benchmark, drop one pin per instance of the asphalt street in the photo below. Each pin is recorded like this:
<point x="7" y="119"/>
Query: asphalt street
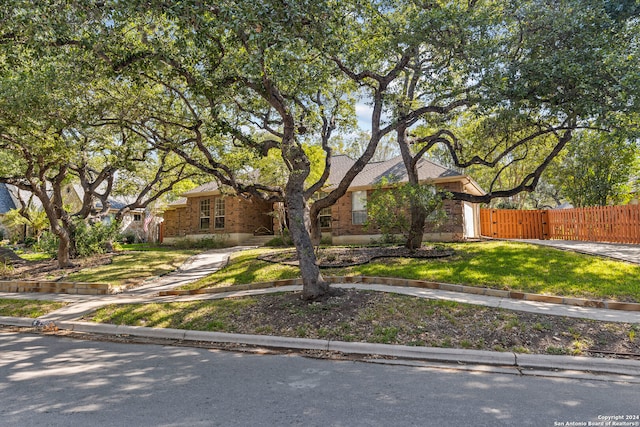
<point x="52" y="381"/>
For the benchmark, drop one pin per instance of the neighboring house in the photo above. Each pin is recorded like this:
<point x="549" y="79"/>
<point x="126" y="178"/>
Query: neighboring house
<point x="136" y="224"/>
<point x="11" y="197"/>
<point x="207" y="211"/>
<point x="7" y="202"/>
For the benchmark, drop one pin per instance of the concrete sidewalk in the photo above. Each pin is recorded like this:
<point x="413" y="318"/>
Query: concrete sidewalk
<point x="622" y="252"/>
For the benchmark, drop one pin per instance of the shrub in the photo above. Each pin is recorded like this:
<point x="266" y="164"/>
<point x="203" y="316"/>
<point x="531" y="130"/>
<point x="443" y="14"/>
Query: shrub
<point x="30" y="241"/>
<point x="284" y="239"/>
<point x="48" y="244"/>
<point x="277" y="242"/>
<point x="94" y="238"/>
<point x="326" y="241"/>
<point x="213" y="242"/>
<point x="387" y="208"/>
<point x="128" y="237"/>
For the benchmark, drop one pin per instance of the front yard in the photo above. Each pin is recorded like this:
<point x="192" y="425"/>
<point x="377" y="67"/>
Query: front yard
<point x="27" y="308"/>
<point x="367" y="316"/>
<point x="500" y="265"/>
<point x="128" y="267"/>
<point x="377" y="317"/>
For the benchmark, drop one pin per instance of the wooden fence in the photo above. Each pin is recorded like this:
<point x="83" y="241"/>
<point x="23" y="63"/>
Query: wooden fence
<point x="617" y="224"/>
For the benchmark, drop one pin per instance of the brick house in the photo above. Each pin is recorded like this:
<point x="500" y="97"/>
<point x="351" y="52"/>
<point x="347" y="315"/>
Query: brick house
<point x="207" y="211"/>
<point x="349" y="213"/>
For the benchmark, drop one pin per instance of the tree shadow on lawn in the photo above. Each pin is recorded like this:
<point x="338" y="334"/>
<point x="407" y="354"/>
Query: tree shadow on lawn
<point x="515" y="266"/>
<point x="245" y="272"/>
<point x="128" y="267"/>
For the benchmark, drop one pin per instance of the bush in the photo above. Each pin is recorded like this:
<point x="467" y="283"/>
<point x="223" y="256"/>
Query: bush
<point x="284" y="239"/>
<point x="96" y="238"/>
<point x="128" y="237"/>
<point x="388" y="208"/>
<point x="213" y="242"/>
<point x="90" y="239"/>
<point x="30" y="241"/>
<point x="326" y="241"/>
<point x="277" y="242"/>
<point x="48" y="244"/>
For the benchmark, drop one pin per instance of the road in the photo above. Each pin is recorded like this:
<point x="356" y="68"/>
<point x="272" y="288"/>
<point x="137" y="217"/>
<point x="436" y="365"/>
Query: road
<point x="53" y="381"/>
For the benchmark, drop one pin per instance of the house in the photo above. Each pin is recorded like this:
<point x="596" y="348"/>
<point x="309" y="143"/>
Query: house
<point x="136" y="224"/>
<point x="349" y="213"/>
<point x="208" y="211"/>
<point x="7" y="203"/>
<point x="11" y="197"/>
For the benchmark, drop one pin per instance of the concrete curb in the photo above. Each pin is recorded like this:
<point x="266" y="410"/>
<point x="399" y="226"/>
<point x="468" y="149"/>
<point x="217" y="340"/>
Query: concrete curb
<point x="624" y="369"/>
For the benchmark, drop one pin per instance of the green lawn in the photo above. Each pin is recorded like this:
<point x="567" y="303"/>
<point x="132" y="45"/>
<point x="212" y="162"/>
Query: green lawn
<point x="244" y="268"/>
<point x="146" y="247"/>
<point x="27" y="308"/>
<point x="196" y="315"/>
<point x="35" y="256"/>
<point x="134" y="266"/>
<point x="496" y="264"/>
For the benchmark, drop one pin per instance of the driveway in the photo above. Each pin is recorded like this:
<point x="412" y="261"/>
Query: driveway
<point x="629" y="253"/>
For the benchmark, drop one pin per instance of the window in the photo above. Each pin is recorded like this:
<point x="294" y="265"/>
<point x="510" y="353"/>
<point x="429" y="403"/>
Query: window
<point x="137" y="217"/>
<point x="205" y="214"/>
<point x="325" y="218"/>
<point x="218" y="214"/>
<point x="359" y="207"/>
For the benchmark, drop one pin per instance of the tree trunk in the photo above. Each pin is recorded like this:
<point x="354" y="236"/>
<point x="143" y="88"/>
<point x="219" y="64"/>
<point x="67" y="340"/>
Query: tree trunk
<point x="314" y="230"/>
<point x="64" y="248"/>
<point x="53" y="207"/>
<point x="313" y="285"/>
<point x="418" y="216"/>
<point x="416" y="230"/>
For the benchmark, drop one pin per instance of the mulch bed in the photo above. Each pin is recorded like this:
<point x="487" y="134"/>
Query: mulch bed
<point x="365" y="316"/>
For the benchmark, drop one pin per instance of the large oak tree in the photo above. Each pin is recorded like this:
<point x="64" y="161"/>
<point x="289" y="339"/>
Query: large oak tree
<point x="490" y="83"/>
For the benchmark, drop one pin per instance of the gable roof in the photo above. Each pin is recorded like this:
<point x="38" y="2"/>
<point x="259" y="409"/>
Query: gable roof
<point x="394" y="170"/>
<point x="203" y="190"/>
<point x="12" y="197"/>
<point x="373" y="174"/>
<point x="180" y="203"/>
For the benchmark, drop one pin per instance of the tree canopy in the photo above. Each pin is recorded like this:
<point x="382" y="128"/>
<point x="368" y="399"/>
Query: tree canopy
<point x="225" y="87"/>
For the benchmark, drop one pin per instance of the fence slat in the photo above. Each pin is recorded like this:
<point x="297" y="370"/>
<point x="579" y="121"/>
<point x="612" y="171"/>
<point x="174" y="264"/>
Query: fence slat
<point x="616" y="224"/>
